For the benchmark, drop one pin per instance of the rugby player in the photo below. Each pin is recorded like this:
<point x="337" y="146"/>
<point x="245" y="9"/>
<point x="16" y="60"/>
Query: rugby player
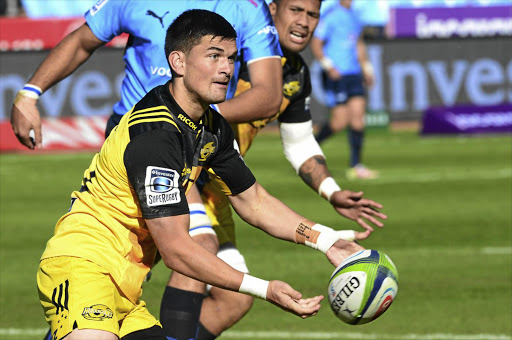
<point x="295" y="21"/>
<point x="133" y="201"/>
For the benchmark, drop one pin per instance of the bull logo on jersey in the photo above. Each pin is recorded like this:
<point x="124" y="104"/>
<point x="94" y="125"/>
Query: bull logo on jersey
<point x="290" y="88"/>
<point x="97" y="312"/>
<point x="206" y="151"/>
<point x="161" y="186"/>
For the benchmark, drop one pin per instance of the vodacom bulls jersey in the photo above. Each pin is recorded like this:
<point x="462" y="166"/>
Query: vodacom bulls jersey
<point x="143" y="171"/>
<point x="295" y="104"/>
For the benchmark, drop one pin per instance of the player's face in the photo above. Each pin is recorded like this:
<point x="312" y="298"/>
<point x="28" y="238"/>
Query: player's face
<point x="295" y="21"/>
<point x="209" y="67"/>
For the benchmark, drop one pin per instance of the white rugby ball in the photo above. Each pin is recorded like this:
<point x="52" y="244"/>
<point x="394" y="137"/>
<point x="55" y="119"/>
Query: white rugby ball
<point x="363" y="287"/>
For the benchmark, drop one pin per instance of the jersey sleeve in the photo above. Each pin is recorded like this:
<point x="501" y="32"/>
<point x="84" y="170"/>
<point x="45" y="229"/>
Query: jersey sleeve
<point x="105" y="19"/>
<point x="228" y="168"/>
<point x="299" y="109"/>
<point x="153" y="162"/>
<point x="260" y="37"/>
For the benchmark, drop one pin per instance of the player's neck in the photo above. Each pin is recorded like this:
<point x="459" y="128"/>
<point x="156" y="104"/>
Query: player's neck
<point x="187" y="102"/>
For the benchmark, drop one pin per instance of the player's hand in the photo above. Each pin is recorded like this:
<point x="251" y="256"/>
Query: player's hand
<point x="25" y="117"/>
<point x="343" y="249"/>
<point x="353" y="206"/>
<point x="288" y="299"/>
<point x="333" y="74"/>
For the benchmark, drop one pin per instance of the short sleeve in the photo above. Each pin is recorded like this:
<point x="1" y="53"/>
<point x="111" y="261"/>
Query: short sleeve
<point x="105" y="19"/>
<point x="154" y="163"/>
<point x="228" y="167"/>
<point x="260" y="38"/>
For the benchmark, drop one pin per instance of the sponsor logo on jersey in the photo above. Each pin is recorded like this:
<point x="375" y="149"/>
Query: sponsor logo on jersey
<point x="161" y="71"/>
<point x="97" y="312"/>
<point x="206" y="151"/>
<point x="268" y="30"/>
<point x="291" y="88"/>
<point x="187" y="121"/>
<point x="154" y="15"/>
<point x="94" y="9"/>
<point x="161" y="186"/>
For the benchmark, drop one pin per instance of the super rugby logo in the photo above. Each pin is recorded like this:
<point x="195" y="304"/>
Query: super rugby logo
<point x="161" y="186"/>
<point x="97" y="313"/>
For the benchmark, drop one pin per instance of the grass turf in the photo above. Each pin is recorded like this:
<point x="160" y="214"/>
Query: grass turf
<point x="449" y="202"/>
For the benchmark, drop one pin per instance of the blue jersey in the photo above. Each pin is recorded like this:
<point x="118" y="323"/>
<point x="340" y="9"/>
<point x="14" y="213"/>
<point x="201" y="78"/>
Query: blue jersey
<point x="146" y="22"/>
<point x="340" y="29"/>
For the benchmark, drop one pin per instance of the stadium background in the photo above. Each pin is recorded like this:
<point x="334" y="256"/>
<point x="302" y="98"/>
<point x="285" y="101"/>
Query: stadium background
<point x="443" y="70"/>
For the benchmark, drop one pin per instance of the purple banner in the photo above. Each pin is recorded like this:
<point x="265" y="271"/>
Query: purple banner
<point x="468" y="120"/>
<point x="442" y="22"/>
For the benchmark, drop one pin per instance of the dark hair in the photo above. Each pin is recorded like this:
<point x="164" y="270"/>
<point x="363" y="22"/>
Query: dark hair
<point x="188" y="28"/>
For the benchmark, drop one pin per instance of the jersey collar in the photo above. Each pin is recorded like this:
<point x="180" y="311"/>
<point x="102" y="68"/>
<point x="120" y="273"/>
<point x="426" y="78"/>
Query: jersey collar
<point x="183" y="120"/>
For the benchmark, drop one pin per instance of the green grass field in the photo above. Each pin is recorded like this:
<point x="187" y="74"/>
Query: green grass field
<point x="449" y="201"/>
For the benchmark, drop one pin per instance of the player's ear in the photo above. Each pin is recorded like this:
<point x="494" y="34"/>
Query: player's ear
<point x="273" y="8"/>
<point x="176" y="61"/>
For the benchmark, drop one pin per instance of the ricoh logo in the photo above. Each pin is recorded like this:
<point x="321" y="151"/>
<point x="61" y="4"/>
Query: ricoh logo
<point x="187" y="121"/>
<point x="268" y="30"/>
<point x="349" y="288"/>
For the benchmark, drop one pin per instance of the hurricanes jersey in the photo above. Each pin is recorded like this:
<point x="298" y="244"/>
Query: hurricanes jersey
<point x="146" y="22"/>
<point x="294" y="107"/>
<point x="143" y="171"/>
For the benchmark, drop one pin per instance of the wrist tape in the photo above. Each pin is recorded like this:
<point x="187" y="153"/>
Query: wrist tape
<point x="31" y="91"/>
<point x="254" y="286"/>
<point x="328" y="187"/>
<point x="321" y="237"/>
<point x="326" y="63"/>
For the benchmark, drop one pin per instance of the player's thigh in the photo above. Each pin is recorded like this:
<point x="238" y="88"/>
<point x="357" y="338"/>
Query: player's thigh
<point x="218" y="209"/>
<point x="87" y="334"/>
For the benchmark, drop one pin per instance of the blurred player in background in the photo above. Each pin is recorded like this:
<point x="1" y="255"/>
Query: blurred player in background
<point x="146" y="22"/>
<point x="295" y="22"/>
<point x="339" y="47"/>
<point x="132" y="201"/>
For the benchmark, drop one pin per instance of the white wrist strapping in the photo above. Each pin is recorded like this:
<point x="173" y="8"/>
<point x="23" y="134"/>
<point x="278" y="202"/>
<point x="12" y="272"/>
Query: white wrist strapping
<point x="329" y="236"/>
<point x="368" y="68"/>
<point x="299" y="143"/>
<point x="326" y="63"/>
<point x="31" y="91"/>
<point x="328" y="187"/>
<point x="254" y="286"/>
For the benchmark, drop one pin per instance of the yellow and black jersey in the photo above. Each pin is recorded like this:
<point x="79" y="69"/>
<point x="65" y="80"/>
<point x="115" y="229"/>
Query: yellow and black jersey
<point x="143" y="171"/>
<point x="294" y="107"/>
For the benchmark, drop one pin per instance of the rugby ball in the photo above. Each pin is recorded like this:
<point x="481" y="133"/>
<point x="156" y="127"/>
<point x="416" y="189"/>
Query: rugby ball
<point x="363" y="287"/>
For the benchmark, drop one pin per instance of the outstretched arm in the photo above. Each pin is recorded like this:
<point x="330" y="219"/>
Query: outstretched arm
<point x="180" y="253"/>
<point x="65" y="58"/>
<point x="307" y="158"/>
<point x="260" y="209"/>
